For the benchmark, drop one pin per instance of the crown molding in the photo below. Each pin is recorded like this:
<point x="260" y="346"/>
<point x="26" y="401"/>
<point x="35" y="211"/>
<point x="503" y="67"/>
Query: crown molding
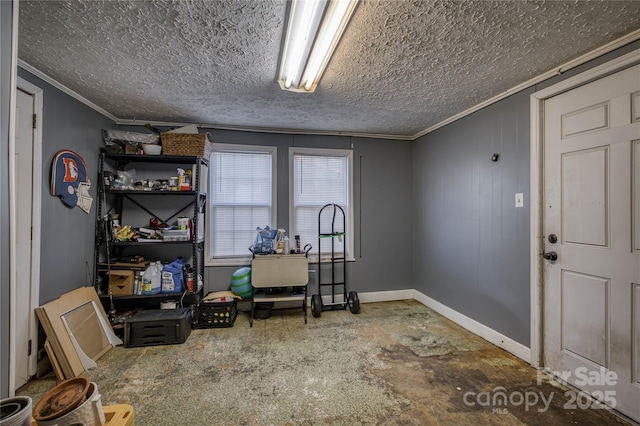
<point x="609" y="47"/>
<point x="265" y="129"/>
<point x="46" y="78"/>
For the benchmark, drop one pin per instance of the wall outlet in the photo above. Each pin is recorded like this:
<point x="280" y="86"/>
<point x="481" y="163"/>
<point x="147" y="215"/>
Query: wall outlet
<point x="519" y="199"/>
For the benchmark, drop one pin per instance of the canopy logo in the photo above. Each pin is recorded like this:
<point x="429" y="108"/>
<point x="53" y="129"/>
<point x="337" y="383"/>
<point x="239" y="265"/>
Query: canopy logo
<point x="499" y="399"/>
<point x="582" y="376"/>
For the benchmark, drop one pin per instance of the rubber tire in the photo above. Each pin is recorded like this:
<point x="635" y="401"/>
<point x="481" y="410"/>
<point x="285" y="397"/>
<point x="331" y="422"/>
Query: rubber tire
<point x="316" y="306"/>
<point x="354" y="302"/>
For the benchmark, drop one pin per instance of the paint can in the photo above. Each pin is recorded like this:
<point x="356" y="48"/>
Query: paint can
<point x="15" y="411"/>
<point x="89" y="413"/>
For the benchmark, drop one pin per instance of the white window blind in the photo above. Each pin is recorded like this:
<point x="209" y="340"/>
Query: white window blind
<point x="319" y="179"/>
<point x="241" y="198"/>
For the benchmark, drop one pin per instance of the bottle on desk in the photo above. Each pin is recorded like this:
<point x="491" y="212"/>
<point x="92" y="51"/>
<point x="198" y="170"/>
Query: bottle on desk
<point x="280" y="242"/>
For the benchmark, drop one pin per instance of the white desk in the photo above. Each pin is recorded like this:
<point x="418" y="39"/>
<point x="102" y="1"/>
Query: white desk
<point x="280" y="270"/>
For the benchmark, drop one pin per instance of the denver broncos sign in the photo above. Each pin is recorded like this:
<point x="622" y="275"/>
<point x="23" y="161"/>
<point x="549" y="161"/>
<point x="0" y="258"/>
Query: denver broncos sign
<point x="69" y="180"/>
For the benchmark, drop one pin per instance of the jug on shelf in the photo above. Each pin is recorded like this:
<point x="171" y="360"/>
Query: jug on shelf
<point x="152" y="279"/>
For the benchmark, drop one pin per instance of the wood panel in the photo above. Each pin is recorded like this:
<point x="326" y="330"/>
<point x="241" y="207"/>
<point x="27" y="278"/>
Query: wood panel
<point x="584" y="192"/>
<point x="635" y="195"/>
<point x="585" y="120"/>
<point x="584" y="316"/>
<point x="635" y="334"/>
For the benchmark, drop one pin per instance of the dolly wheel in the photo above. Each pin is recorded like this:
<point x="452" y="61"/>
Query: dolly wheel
<point x="316" y="305"/>
<point x="354" y="302"/>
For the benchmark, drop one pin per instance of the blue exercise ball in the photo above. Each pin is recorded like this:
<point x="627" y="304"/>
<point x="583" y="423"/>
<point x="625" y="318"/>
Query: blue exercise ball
<point x="241" y="282"/>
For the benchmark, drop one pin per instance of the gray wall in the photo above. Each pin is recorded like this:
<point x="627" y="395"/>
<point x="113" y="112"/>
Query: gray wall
<point x="471" y="249"/>
<point x="471" y="245"/>
<point x="6" y="8"/>
<point x="382" y="221"/>
<point x="67" y="247"/>
<point x="382" y="190"/>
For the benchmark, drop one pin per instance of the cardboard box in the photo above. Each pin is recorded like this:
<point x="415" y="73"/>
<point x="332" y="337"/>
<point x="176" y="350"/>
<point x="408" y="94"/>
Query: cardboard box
<point x="131" y="147"/>
<point x="121" y="282"/>
<point x="78" y="331"/>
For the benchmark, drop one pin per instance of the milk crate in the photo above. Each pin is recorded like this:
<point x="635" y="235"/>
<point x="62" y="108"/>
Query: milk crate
<point x="217" y="314"/>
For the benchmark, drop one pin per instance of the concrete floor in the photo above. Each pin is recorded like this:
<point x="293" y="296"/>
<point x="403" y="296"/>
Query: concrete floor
<point x="396" y="363"/>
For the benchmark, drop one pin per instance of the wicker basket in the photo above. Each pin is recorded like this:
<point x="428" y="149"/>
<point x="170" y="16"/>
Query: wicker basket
<point x="187" y="144"/>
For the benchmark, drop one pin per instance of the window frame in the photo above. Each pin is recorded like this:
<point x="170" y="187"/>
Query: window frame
<point x="256" y="149"/>
<point x="326" y="152"/>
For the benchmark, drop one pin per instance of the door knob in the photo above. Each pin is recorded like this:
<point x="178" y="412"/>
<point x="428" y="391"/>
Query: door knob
<point x="550" y="255"/>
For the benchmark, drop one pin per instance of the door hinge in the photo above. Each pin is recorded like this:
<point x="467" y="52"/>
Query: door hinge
<point x="29" y="347"/>
<point x="35" y="120"/>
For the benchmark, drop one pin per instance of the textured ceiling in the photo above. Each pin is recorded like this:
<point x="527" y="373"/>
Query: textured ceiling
<point x="400" y="68"/>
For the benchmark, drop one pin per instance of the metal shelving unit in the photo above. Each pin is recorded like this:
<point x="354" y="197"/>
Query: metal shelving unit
<point x="121" y="202"/>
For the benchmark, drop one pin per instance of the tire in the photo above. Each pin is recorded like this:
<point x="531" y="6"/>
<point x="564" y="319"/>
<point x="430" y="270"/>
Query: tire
<point x="316" y="306"/>
<point x="354" y="302"/>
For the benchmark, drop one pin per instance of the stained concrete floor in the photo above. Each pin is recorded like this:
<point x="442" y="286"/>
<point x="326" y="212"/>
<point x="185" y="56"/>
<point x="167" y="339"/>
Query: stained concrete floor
<point x="396" y="363"/>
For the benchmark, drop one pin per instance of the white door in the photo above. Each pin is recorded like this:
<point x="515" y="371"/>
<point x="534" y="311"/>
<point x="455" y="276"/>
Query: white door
<point x="24" y="208"/>
<point x="592" y="206"/>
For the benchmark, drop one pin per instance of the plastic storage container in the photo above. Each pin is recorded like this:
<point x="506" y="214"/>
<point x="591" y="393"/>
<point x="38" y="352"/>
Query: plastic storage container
<point x="152" y="279"/>
<point x="172" y="277"/>
<point x="158" y="327"/>
<point x="217" y="314"/>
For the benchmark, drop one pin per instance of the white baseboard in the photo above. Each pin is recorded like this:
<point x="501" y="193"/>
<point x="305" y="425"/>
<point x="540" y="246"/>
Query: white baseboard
<point x="481" y="330"/>
<point x="385" y="296"/>
<point x="469" y="324"/>
<point x="371" y="297"/>
<point x="488" y="334"/>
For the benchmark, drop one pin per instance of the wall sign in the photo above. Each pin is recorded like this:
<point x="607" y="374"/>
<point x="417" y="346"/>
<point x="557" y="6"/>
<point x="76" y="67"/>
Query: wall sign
<point x="70" y="181"/>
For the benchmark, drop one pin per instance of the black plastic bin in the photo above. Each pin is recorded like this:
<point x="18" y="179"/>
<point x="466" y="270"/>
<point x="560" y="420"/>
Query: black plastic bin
<point x="157" y="327"/>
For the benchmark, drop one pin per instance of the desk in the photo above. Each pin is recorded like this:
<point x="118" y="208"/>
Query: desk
<point x="280" y="270"/>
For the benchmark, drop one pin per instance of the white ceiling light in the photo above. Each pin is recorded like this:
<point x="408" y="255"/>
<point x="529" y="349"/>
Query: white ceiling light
<point x="313" y="32"/>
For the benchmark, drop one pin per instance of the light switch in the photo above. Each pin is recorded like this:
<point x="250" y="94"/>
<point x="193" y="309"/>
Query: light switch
<point x="519" y="199"/>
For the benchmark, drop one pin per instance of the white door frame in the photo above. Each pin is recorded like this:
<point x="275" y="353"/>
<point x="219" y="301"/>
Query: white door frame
<point x="537" y="178"/>
<point x="36" y="203"/>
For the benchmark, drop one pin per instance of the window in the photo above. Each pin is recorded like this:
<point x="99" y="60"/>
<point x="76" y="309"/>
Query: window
<point x="241" y="198"/>
<point x="319" y="177"/>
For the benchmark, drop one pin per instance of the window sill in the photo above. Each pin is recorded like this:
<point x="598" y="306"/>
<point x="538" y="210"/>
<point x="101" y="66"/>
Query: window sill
<point x="235" y="261"/>
<point x="327" y="260"/>
<point x="246" y="261"/>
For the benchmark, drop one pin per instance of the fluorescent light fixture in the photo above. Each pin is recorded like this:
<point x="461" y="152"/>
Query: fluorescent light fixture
<point x="313" y="32"/>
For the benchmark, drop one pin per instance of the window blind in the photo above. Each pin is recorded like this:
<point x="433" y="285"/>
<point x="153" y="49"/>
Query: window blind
<point x="319" y="180"/>
<point x="240" y="200"/>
